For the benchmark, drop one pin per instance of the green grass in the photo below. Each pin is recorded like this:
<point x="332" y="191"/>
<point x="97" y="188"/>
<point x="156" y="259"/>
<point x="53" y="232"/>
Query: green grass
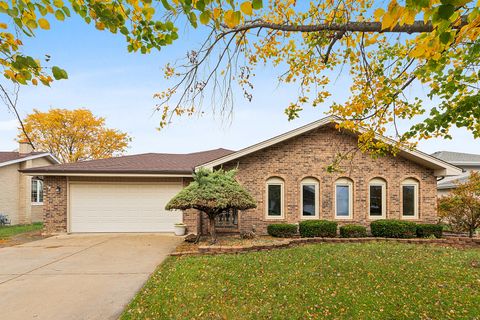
<point x="9" y="231"/>
<point x="323" y="281"/>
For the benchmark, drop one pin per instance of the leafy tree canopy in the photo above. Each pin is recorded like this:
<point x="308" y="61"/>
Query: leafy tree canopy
<point x="383" y="47"/>
<point x="461" y="208"/>
<point x="212" y="192"/>
<point x="73" y="135"/>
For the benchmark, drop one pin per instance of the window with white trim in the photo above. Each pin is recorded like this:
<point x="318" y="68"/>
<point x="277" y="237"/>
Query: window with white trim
<point x="343" y="198"/>
<point x="410" y="199"/>
<point x="377" y="199"/>
<point x="37" y="191"/>
<point x="275" y="201"/>
<point x="309" y="198"/>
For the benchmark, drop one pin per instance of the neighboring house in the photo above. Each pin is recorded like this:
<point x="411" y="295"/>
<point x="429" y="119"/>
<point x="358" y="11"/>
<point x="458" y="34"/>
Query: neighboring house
<point x="467" y="161"/>
<point x="286" y="174"/>
<point x="21" y="196"/>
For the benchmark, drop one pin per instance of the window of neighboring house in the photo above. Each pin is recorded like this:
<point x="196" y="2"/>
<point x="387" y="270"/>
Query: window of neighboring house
<point x="377" y="198"/>
<point x="343" y="198"/>
<point x="275" y="201"/>
<point x="37" y="191"/>
<point x="309" y="198"/>
<point x="410" y="199"/>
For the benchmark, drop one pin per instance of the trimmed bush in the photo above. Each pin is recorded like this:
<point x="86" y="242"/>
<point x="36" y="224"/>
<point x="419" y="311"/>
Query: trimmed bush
<point x="282" y="230"/>
<point x="353" y="231"/>
<point x="393" y="228"/>
<point x="318" y="228"/>
<point x="427" y="230"/>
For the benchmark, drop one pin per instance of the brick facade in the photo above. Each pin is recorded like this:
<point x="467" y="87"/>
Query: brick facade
<point x="304" y="156"/>
<point x="55" y="204"/>
<point x="307" y="156"/>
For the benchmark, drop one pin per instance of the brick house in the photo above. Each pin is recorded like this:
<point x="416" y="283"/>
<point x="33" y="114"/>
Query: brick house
<point x="286" y="174"/>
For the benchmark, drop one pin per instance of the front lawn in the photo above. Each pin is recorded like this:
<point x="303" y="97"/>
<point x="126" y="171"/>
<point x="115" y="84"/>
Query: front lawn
<point x="10" y="231"/>
<point x="333" y="281"/>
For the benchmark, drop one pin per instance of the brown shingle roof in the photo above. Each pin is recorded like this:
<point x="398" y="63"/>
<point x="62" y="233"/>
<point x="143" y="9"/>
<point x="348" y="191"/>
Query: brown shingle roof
<point x="6" y="156"/>
<point x="147" y="163"/>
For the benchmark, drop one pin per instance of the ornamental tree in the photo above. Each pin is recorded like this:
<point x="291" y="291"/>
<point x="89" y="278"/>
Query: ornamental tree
<point x="212" y="192"/>
<point x="73" y="135"/>
<point x="385" y="48"/>
<point x="461" y="208"/>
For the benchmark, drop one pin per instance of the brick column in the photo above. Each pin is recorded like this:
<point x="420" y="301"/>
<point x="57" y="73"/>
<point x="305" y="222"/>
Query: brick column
<point x="55" y="204"/>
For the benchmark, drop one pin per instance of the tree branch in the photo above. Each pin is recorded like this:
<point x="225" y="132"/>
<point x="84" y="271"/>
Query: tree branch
<point x="351" y="26"/>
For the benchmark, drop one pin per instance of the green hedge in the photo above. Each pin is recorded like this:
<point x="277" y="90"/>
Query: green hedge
<point x="318" y="228"/>
<point x="282" y="230"/>
<point x="427" y="230"/>
<point x="353" y="231"/>
<point x="393" y="229"/>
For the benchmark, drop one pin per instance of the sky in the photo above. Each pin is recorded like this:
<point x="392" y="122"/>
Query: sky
<point x="119" y="86"/>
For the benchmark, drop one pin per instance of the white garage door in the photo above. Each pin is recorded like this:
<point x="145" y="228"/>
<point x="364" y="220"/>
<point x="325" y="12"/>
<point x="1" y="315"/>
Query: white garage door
<point x="122" y="207"/>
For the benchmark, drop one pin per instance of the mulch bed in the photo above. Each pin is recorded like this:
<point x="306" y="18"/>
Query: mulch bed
<point x="235" y="244"/>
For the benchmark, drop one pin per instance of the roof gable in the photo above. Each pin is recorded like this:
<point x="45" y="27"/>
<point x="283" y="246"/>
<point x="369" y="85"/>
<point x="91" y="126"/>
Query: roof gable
<point x="440" y="167"/>
<point x="12" y="157"/>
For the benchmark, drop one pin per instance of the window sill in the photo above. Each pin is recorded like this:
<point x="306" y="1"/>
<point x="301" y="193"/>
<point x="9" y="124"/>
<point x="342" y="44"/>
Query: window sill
<point x="372" y="218"/>
<point x="275" y="218"/>
<point x="344" y="218"/>
<point x="410" y="218"/>
<point x="309" y="217"/>
<point x="37" y="203"/>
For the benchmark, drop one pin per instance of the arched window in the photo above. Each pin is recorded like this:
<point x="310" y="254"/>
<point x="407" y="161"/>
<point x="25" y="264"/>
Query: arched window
<point x="377" y="199"/>
<point x="343" y="198"/>
<point x="409" y="198"/>
<point x="309" y="198"/>
<point x="275" y="198"/>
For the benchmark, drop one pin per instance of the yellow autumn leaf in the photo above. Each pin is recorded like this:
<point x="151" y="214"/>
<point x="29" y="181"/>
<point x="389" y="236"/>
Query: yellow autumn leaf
<point x="246" y="8"/>
<point x="409" y="17"/>
<point x="231" y="19"/>
<point x="378" y="14"/>
<point x="387" y="21"/>
<point x="417" y="52"/>
<point x="216" y="13"/>
<point x="3" y="26"/>
<point x="44" y="24"/>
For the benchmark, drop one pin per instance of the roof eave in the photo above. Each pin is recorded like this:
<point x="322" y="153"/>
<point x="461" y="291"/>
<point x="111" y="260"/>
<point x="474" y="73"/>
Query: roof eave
<point x="107" y="174"/>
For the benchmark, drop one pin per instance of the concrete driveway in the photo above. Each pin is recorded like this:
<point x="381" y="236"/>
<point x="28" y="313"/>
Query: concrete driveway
<point x="78" y="276"/>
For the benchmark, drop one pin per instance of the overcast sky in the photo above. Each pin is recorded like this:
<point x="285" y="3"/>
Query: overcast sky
<point x="119" y="86"/>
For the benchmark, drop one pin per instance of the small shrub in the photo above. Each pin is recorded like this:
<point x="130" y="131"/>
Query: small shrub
<point x="248" y="235"/>
<point x="318" y="228"/>
<point x="427" y="230"/>
<point x="353" y="231"/>
<point x="393" y="229"/>
<point x="282" y="230"/>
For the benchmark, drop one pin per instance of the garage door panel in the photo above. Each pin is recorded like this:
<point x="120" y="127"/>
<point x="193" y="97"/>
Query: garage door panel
<point x="122" y="207"/>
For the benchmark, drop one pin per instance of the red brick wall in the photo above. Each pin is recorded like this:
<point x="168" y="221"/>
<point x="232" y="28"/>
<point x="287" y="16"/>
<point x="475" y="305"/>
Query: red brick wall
<point x="307" y="156"/>
<point x="55" y="205"/>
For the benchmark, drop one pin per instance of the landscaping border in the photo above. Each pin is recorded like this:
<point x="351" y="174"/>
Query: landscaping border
<point x="459" y="242"/>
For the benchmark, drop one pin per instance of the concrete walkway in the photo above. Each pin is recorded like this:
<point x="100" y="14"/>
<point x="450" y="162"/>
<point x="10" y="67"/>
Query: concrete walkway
<point x="78" y="276"/>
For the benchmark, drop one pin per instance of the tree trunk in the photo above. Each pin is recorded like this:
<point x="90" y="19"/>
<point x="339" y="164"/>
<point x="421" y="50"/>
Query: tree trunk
<point x="213" y="234"/>
<point x="471" y="231"/>
<point x="199" y="226"/>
